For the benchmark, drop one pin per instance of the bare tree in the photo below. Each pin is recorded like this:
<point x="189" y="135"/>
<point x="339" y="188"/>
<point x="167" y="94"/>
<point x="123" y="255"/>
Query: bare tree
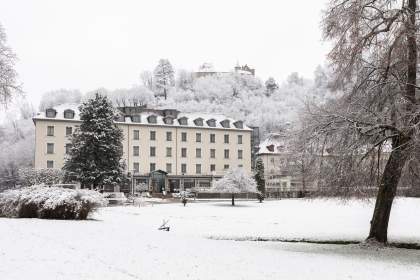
<point x="374" y="58"/>
<point x="8" y="76"/>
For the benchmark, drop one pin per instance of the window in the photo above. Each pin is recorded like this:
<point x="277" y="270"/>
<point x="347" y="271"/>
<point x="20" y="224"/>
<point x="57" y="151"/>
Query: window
<point x="152" y="135"/>
<point x="239" y="139"/>
<point x="183" y="152"/>
<point x="136" y="167"/>
<point x="183" y="121"/>
<point x="183" y="168"/>
<point x="152" y="119"/>
<point x="168" y="120"/>
<point x="226" y="153"/>
<point x="50" y="130"/>
<point x="198" y="153"/>
<point x="226" y="167"/>
<point x="68" y="147"/>
<point x="68" y="114"/>
<point x="212" y="167"/>
<point x="152" y="167"/>
<point x="211" y="123"/>
<point x="198" y="168"/>
<point x="212" y="153"/>
<point x="136" y="118"/>
<point x="198" y="137"/>
<point x="240" y="165"/>
<point x="69" y="130"/>
<point x="152" y="151"/>
<point x="225" y="123"/>
<point x="50" y="113"/>
<point x="50" y="164"/>
<point x="168" y="151"/>
<point x="226" y="138"/>
<point x="198" y="122"/>
<point x="168" y="136"/>
<point x="169" y="168"/>
<point x="136" y="135"/>
<point x="240" y="154"/>
<point x="136" y="151"/>
<point x="50" y="148"/>
<point x="184" y="137"/>
<point x="212" y="138"/>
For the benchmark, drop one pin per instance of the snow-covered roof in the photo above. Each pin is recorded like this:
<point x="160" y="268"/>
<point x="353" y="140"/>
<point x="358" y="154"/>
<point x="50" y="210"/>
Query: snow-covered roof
<point x="275" y="143"/>
<point x="219" y="119"/>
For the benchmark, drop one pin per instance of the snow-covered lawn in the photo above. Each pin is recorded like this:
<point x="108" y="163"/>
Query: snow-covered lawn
<point x="124" y="243"/>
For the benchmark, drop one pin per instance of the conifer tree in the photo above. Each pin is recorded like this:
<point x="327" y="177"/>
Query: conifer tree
<point x="259" y="178"/>
<point x="95" y="156"/>
<point x="164" y="77"/>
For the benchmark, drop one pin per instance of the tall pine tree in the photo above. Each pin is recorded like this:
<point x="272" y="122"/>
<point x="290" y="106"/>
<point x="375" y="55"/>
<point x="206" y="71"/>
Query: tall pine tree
<point x="164" y="77"/>
<point x="95" y="157"/>
<point x="259" y="178"/>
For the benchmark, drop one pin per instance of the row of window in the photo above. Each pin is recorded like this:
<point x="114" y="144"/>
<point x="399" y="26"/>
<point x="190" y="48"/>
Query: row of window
<point x="198" y="170"/>
<point x="198" y="153"/>
<point x="136" y="167"/>
<point x="136" y="151"/>
<point x="50" y="130"/>
<point x="136" y="135"/>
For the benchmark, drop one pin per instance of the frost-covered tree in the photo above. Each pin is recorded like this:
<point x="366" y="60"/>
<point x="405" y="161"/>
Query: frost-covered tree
<point x="375" y="62"/>
<point x="271" y="86"/>
<point x="134" y="96"/>
<point x="8" y="76"/>
<point x="147" y="79"/>
<point x="60" y="96"/>
<point x="235" y="181"/>
<point x="184" y="80"/>
<point x="96" y="153"/>
<point x="259" y="178"/>
<point x="164" y="78"/>
<point x="17" y="142"/>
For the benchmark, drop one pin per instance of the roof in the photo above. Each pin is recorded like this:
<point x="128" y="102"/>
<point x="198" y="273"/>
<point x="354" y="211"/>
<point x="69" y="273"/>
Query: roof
<point x="274" y="144"/>
<point x="219" y="118"/>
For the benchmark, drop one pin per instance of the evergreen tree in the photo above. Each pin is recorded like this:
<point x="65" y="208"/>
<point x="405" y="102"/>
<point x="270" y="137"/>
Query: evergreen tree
<point x="164" y="77"/>
<point x="259" y="178"/>
<point x="95" y="157"/>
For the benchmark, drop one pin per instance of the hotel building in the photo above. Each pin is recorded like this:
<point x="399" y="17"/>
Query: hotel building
<point x="165" y="149"/>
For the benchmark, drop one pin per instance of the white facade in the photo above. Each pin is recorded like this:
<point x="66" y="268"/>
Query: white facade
<point x="187" y="146"/>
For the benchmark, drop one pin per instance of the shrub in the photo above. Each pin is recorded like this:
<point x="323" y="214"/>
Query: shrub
<point x="32" y="176"/>
<point x="49" y="203"/>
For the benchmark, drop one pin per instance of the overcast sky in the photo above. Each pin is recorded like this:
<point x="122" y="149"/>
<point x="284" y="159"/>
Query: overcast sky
<point x="86" y="44"/>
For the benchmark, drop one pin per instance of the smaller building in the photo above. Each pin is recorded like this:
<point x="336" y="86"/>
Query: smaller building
<point x="281" y="172"/>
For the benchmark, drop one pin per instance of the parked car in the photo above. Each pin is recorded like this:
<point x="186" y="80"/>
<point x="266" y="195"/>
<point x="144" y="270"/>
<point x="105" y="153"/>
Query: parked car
<point x="67" y="186"/>
<point x="115" y="197"/>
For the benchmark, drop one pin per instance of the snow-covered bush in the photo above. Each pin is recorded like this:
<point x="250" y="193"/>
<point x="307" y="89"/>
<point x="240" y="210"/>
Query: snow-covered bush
<point x="49" y="203"/>
<point x="32" y="176"/>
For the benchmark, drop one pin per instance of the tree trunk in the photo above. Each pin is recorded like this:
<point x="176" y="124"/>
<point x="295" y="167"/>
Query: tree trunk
<point x="233" y="200"/>
<point x="386" y="193"/>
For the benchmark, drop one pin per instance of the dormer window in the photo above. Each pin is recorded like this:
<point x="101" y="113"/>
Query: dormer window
<point x="183" y="121"/>
<point x="119" y="118"/>
<point x="136" y="118"/>
<point x="198" y="121"/>
<point x="152" y="119"/>
<point x="211" y="122"/>
<point x="69" y="114"/>
<point x="239" y="124"/>
<point x="168" y="120"/>
<point x="50" y="113"/>
<point x="225" y="123"/>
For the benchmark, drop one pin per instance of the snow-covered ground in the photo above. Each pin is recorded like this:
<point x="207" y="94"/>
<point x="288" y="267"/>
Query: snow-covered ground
<point x="124" y="243"/>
